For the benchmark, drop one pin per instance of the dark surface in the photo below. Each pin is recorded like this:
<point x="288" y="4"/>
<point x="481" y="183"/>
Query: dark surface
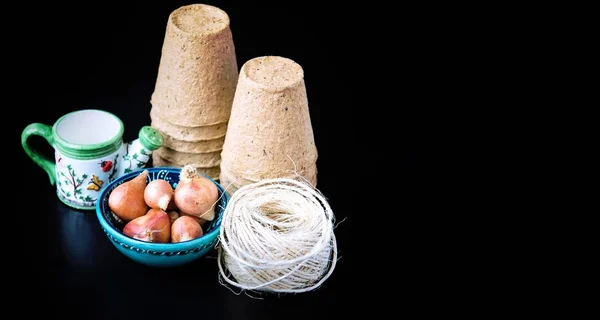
<point x="106" y="56"/>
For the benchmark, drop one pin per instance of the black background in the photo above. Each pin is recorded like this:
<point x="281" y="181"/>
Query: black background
<point x="106" y="56"/>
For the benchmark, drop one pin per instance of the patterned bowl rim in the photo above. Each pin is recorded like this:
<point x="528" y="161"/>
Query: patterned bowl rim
<point x="118" y="236"/>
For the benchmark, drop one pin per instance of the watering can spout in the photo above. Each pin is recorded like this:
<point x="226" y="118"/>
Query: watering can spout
<point x="137" y="152"/>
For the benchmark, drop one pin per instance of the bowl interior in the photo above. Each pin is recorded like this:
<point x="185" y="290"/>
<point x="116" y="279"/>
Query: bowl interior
<point x="171" y="175"/>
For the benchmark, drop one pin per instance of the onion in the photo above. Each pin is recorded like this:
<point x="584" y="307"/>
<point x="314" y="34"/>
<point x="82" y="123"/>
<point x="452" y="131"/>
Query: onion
<point x="152" y="227"/>
<point x="200" y="220"/>
<point x="184" y="229"/>
<point x="127" y="200"/>
<point x="158" y="194"/>
<point x="195" y="194"/>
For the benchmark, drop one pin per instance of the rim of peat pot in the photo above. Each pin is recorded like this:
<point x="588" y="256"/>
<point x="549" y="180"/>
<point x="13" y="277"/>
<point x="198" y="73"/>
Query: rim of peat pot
<point x="178" y="246"/>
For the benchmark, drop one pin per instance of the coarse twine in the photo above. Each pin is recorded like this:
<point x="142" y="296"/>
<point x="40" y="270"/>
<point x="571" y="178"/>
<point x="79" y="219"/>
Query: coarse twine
<point x="277" y="236"/>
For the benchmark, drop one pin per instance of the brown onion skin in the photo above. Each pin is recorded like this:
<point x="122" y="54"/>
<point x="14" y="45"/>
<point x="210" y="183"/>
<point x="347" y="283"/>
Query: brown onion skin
<point x="127" y="200"/>
<point x="199" y="220"/>
<point x="155" y="226"/>
<point x="195" y="194"/>
<point x="184" y="229"/>
<point x="158" y="194"/>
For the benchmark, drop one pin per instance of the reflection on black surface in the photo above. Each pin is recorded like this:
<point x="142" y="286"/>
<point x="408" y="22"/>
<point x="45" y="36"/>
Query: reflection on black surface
<point x="84" y="262"/>
<point x="80" y="236"/>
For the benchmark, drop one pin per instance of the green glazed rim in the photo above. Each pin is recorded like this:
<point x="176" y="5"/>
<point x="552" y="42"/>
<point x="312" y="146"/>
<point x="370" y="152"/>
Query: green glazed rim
<point x="88" y="151"/>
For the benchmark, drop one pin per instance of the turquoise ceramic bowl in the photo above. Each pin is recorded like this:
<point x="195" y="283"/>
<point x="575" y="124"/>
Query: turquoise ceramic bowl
<point x="158" y="254"/>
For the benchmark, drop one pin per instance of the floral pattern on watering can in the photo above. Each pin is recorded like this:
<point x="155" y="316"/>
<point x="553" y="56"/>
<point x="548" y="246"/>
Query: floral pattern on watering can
<point x="79" y="182"/>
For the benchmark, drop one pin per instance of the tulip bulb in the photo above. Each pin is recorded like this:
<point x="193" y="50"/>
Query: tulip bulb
<point x="184" y="229"/>
<point x="155" y="226"/>
<point x="127" y="200"/>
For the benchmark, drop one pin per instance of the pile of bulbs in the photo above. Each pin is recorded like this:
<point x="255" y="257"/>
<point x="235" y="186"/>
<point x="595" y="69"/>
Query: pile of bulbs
<point x="155" y="212"/>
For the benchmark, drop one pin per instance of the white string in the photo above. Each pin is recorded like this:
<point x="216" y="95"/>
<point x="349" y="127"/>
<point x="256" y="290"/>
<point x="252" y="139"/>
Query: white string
<point x="277" y="236"/>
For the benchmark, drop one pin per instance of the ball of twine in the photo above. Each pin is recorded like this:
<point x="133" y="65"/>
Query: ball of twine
<point x="277" y="236"/>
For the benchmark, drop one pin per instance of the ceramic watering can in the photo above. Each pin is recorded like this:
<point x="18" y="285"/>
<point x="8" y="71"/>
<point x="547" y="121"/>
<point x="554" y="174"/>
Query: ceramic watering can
<point x="89" y="152"/>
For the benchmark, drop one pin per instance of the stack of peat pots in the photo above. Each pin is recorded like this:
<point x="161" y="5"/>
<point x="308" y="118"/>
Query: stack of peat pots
<point x="194" y="91"/>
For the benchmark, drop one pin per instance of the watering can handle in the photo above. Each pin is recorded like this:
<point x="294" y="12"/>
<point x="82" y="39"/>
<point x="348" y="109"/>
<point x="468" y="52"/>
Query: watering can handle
<point x="44" y="131"/>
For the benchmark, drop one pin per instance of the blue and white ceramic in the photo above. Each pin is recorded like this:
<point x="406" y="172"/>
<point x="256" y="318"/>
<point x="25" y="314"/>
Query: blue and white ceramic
<point x="159" y="254"/>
